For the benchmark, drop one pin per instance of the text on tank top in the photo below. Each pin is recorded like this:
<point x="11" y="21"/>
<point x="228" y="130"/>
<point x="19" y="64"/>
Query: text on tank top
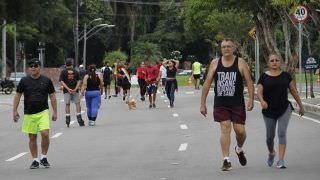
<point x="228" y="85"/>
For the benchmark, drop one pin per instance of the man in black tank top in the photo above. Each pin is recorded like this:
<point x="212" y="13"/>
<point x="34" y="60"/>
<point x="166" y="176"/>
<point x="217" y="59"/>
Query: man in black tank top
<point x="228" y="73"/>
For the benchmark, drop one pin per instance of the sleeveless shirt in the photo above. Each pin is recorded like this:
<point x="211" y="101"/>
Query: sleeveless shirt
<point x="228" y="87"/>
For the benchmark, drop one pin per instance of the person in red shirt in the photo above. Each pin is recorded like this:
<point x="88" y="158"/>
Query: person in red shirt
<point x="141" y="74"/>
<point x="152" y="80"/>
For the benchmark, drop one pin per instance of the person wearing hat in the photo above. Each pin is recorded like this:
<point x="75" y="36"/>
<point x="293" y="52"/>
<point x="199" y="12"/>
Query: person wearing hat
<point x="36" y="88"/>
<point x="70" y="80"/>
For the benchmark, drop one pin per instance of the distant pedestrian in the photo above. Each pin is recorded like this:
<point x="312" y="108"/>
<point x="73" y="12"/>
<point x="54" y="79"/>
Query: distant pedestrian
<point x="273" y="86"/>
<point x="196" y="73"/>
<point x="141" y="74"/>
<point x="35" y="88"/>
<point x="171" y="81"/>
<point x="107" y="77"/>
<point x="70" y="81"/>
<point x="163" y="75"/>
<point x="229" y="73"/>
<point x="152" y="80"/>
<point x="125" y="82"/>
<point x="92" y="89"/>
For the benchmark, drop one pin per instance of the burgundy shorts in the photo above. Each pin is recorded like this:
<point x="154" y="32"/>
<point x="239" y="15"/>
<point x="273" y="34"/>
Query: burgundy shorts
<point x="235" y="114"/>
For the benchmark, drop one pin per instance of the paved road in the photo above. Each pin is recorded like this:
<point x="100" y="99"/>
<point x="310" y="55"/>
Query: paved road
<point x="154" y="144"/>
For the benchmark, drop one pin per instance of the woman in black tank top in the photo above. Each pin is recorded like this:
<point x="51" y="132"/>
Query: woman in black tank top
<point x="171" y="82"/>
<point x="92" y="89"/>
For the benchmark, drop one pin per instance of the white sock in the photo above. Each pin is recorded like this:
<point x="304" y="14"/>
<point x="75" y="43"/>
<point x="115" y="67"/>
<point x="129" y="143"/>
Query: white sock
<point x="43" y="156"/>
<point x="36" y="159"/>
<point x="226" y="158"/>
<point x="238" y="149"/>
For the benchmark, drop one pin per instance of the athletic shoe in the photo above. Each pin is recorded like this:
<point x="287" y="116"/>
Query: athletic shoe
<point x="154" y="105"/>
<point x="105" y="97"/>
<point x="271" y="159"/>
<point x="150" y="106"/>
<point x="68" y="118"/>
<point x="109" y="97"/>
<point x="142" y="98"/>
<point x="34" y="165"/>
<point x="226" y="166"/>
<point x="44" y="162"/>
<point x="242" y="157"/>
<point x="281" y="164"/>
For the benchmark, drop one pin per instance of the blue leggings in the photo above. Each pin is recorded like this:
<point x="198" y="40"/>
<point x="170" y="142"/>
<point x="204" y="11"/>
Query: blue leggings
<point x="93" y="101"/>
<point x="271" y="124"/>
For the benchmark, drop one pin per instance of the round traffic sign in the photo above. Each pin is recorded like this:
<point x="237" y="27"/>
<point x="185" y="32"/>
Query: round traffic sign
<point x="301" y="13"/>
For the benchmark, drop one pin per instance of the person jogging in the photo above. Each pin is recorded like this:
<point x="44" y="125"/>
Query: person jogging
<point x="141" y="74"/>
<point x="273" y="86"/>
<point x="228" y="73"/>
<point x="70" y="81"/>
<point x="36" y="88"/>
<point x="107" y="76"/>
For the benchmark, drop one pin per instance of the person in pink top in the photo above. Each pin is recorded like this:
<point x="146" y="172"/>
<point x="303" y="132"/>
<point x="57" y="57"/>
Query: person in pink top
<point x="152" y="80"/>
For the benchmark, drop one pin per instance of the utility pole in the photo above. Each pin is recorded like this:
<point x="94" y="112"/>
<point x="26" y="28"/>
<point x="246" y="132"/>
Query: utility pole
<point x="4" y="50"/>
<point x="77" y="35"/>
<point x="84" y="46"/>
<point x="15" y="49"/>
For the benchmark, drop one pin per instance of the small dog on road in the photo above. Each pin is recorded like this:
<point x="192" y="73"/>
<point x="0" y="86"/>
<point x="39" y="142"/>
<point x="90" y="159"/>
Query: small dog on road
<point x="132" y="104"/>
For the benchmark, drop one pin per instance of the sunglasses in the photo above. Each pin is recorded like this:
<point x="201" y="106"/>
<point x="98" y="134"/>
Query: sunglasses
<point x="274" y="60"/>
<point x="33" y="66"/>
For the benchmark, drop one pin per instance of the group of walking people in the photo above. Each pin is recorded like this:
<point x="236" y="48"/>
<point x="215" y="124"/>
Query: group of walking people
<point x="228" y="72"/>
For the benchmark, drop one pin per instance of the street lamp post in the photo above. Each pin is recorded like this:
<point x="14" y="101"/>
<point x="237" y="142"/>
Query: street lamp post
<point x="4" y="50"/>
<point x="76" y="48"/>
<point x="87" y="35"/>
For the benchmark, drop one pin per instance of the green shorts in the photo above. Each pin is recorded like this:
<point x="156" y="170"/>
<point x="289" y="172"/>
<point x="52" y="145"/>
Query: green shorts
<point x="34" y="123"/>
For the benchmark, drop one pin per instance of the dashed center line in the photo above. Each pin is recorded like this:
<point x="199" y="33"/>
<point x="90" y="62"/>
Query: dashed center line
<point x="175" y="115"/>
<point x="183" y="147"/>
<point x="189" y="92"/>
<point x="72" y="122"/>
<point x="183" y="126"/>
<point x="56" y="135"/>
<point x="17" y="156"/>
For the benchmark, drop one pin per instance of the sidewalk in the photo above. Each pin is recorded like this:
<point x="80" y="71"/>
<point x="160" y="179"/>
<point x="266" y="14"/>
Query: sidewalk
<point x="311" y="105"/>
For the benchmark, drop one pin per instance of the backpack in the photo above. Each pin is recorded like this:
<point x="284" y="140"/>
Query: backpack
<point x="106" y="74"/>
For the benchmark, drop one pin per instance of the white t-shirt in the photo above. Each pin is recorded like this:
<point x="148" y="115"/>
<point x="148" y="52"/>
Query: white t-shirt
<point x="163" y="71"/>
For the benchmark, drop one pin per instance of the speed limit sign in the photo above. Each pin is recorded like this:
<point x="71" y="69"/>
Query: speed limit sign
<point x="301" y="13"/>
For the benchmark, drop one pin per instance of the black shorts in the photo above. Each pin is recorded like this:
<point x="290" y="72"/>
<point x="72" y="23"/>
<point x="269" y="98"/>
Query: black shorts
<point x="235" y="114"/>
<point x="196" y="76"/>
<point x="107" y="82"/>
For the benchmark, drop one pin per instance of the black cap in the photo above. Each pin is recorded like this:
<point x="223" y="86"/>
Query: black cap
<point x="69" y="62"/>
<point x="34" y="61"/>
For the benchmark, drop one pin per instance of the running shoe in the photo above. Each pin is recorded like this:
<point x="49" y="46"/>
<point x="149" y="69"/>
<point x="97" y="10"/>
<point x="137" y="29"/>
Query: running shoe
<point x="154" y="105"/>
<point x="281" y="164"/>
<point x="226" y="165"/>
<point x="34" y="165"/>
<point x="150" y="106"/>
<point x="242" y="157"/>
<point x="271" y="159"/>
<point x="44" y="162"/>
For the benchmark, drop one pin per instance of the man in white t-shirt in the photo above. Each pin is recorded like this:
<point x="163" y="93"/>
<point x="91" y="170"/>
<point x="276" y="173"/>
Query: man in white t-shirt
<point x="163" y="76"/>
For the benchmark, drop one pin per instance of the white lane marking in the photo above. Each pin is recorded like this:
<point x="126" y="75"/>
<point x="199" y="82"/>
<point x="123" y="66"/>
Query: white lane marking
<point x="166" y="101"/>
<point x="304" y="117"/>
<point x="56" y="135"/>
<point x="307" y="118"/>
<point x="72" y="122"/>
<point x="175" y="115"/>
<point x="16" y="157"/>
<point x="183" y="147"/>
<point x="183" y="126"/>
<point x="189" y="92"/>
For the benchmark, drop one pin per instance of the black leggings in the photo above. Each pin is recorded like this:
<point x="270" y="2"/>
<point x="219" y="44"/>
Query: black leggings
<point x="143" y="86"/>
